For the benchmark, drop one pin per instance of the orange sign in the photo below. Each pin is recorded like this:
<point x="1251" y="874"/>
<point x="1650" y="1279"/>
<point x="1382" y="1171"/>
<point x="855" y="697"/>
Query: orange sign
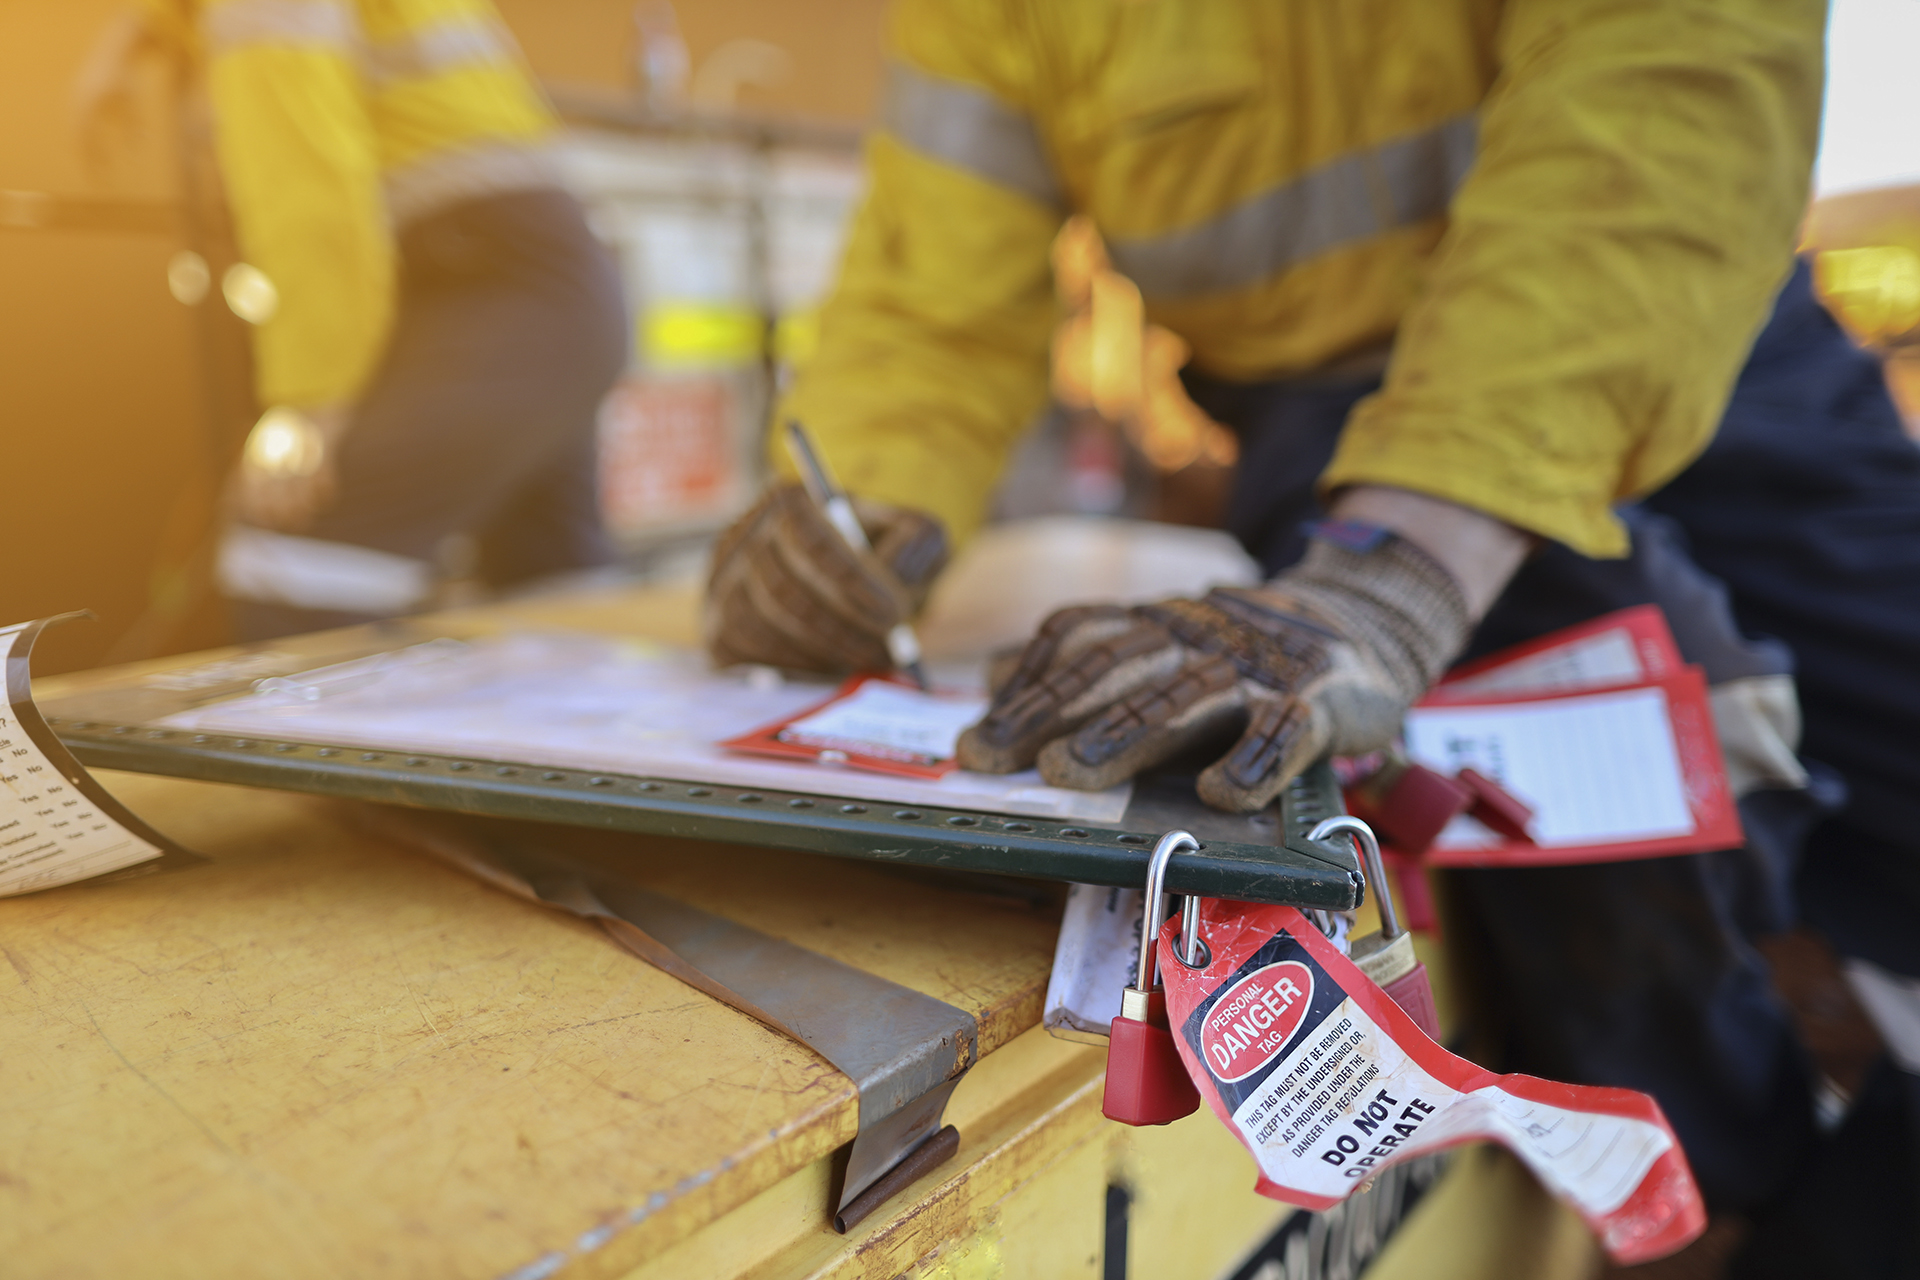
<point x="667" y="453"/>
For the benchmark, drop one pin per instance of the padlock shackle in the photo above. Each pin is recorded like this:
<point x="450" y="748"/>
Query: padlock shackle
<point x="1371" y="862"/>
<point x="1191" y="948"/>
<point x="1156" y="900"/>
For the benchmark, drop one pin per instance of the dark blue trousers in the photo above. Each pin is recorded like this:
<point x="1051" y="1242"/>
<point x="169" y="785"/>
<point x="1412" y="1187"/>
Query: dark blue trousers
<point x="1804" y="513"/>
<point x="480" y="420"/>
<point x="1807" y="506"/>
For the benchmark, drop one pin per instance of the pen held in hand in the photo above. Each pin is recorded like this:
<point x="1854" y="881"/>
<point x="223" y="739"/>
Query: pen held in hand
<point x="903" y="646"/>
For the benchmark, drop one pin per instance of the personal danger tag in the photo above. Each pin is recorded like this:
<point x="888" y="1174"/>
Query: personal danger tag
<point x="1327" y="1082"/>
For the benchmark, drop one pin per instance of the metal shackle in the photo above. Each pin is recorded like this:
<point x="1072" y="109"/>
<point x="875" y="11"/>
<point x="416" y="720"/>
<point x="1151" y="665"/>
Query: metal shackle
<point x="1193" y="953"/>
<point x="1375" y="868"/>
<point x="1156" y="901"/>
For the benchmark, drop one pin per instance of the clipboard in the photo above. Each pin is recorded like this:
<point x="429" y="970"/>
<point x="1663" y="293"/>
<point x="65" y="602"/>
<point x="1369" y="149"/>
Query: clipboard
<point x="111" y="719"/>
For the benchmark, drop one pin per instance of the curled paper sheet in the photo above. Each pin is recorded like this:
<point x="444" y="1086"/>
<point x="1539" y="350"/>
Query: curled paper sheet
<point x="58" y="825"/>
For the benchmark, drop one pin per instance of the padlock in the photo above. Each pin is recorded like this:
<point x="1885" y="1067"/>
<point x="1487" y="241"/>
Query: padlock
<point x="1386" y="956"/>
<point x="1147" y="1083"/>
<point x="1408" y="803"/>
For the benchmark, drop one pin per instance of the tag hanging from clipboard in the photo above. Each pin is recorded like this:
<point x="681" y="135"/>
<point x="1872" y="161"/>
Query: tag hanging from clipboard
<point x="58" y="825"/>
<point x="1327" y="1081"/>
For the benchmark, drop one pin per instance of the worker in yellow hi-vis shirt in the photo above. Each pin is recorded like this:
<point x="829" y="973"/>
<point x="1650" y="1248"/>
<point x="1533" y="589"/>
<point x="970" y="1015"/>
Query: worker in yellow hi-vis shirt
<point x="436" y="324"/>
<point x="1462" y="276"/>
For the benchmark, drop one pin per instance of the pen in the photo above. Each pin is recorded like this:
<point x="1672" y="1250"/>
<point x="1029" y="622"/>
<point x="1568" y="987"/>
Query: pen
<point x="902" y="645"/>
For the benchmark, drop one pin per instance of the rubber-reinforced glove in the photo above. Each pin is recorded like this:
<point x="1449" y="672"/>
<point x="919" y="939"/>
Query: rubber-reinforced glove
<point x="1326" y="657"/>
<point x="786" y="590"/>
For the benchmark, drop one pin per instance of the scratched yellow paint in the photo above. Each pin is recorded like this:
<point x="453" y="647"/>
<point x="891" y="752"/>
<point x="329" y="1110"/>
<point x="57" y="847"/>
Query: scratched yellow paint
<point x="1488" y="1217"/>
<point x="338" y="1055"/>
<point x="1194" y="1210"/>
<point x="324" y="1055"/>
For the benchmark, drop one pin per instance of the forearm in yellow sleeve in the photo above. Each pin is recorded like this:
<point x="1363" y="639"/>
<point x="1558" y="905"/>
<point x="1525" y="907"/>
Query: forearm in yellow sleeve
<point x="302" y="172"/>
<point x="933" y="348"/>
<point x="1642" y="168"/>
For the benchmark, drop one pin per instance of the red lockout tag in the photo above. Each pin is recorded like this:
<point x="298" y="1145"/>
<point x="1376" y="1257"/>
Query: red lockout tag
<point x="1326" y="1081"/>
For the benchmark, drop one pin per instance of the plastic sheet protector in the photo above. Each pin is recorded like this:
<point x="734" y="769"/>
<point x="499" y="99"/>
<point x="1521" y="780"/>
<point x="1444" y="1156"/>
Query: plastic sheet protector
<point x="593" y="702"/>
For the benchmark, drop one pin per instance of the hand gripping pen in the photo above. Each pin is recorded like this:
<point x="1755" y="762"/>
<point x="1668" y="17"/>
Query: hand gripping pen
<point x="902" y="645"/>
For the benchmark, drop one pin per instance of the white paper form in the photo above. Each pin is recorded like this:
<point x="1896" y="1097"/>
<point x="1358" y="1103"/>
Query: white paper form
<point x="595" y="702"/>
<point x="1598" y="769"/>
<point x="52" y="830"/>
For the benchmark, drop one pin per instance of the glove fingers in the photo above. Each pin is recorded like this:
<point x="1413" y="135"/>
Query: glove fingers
<point x="800" y="627"/>
<point x="769" y="618"/>
<point x="1065" y="635"/>
<point x="1198" y="702"/>
<point x="913" y="545"/>
<point x="1283" y="737"/>
<point x="741" y="627"/>
<point x="853" y="585"/>
<point x="786" y="590"/>
<point x="727" y="625"/>
<point x="726" y="561"/>
<point x="1030" y="714"/>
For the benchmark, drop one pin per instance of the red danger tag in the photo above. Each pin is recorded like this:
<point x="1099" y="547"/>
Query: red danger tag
<point x="1326" y="1081"/>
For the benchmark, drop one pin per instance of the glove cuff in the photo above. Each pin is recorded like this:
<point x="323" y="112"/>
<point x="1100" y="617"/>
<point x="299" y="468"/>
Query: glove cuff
<point x="1387" y="594"/>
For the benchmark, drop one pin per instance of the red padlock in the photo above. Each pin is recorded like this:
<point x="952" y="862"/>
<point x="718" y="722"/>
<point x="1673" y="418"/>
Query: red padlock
<point x="1386" y="956"/>
<point x="1147" y="1083"/>
<point x="1409" y="803"/>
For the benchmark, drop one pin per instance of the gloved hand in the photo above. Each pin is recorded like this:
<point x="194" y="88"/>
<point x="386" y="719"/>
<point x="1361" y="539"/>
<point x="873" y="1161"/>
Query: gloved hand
<point x="287" y="472"/>
<point x="786" y="589"/>
<point x="1326" y="657"/>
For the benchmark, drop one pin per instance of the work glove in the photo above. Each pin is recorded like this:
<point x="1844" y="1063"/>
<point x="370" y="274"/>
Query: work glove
<point x="288" y="471"/>
<point x="787" y="591"/>
<point x="1325" y="658"/>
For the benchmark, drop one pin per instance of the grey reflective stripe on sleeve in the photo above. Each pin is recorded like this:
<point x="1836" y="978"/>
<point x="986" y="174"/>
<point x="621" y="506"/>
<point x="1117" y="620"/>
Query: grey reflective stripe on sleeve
<point x="1396" y="184"/>
<point x="241" y="23"/>
<point x="970" y="129"/>
<point x="308" y="573"/>
<point x="463" y="41"/>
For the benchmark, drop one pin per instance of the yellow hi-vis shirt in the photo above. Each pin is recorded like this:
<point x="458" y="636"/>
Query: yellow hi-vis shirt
<point x="337" y="121"/>
<point x="1567" y="217"/>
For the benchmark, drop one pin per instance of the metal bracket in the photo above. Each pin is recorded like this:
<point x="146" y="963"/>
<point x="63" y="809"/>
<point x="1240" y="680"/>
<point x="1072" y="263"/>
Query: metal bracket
<point x="904" y="1051"/>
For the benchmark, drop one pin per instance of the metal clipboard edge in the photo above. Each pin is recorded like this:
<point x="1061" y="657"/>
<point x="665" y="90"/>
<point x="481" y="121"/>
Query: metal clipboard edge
<point x="1295" y="871"/>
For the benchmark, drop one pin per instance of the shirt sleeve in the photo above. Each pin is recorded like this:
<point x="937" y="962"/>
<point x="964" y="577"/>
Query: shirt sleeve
<point x="298" y="155"/>
<point x="933" y="347"/>
<point x="1642" y="169"/>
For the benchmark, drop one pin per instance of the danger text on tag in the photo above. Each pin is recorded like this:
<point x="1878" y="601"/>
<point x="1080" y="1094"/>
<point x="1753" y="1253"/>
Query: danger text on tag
<point x="1251" y="1023"/>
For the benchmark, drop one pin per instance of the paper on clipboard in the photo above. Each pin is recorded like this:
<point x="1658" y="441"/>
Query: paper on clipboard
<point x="583" y="701"/>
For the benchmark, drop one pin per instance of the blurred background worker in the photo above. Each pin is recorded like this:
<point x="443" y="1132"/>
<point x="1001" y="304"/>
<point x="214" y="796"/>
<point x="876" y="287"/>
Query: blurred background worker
<point x="436" y="323"/>
<point x="1473" y="273"/>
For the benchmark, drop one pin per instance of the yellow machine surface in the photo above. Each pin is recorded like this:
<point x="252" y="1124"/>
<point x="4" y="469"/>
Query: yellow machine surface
<point x="326" y="1054"/>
